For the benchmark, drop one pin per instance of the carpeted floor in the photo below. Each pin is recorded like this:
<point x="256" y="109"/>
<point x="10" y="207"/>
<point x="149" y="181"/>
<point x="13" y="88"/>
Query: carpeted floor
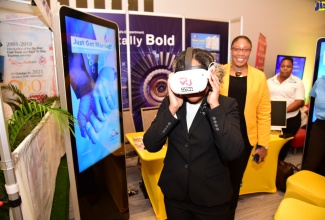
<point x="258" y="206"/>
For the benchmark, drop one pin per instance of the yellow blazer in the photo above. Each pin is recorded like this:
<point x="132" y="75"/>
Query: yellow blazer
<point x="258" y="106"/>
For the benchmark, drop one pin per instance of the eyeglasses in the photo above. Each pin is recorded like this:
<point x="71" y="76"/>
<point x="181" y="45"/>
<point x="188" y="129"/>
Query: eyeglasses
<point x="244" y="50"/>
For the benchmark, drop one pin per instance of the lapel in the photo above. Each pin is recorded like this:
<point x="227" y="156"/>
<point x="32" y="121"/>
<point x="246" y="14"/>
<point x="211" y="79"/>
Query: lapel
<point x="201" y="114"/>
<point x="250" y="99"/>
<point x="181" y="114"/>
<point x="250" y="78"/>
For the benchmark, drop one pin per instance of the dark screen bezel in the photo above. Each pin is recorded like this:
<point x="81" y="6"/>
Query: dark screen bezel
<point x="276" y="108"/>
<point x="310" y="122"/>
<point x="73" y="13"/>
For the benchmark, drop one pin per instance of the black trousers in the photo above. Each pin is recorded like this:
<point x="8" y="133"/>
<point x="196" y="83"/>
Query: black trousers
<point x="293" y="125"/>
<point x="315" y="153"/>
<point x="186" y="210"/>
<point x="236" y="172"/>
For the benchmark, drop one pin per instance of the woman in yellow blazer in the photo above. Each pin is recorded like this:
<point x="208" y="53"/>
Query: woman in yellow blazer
<point x="249" y="87"/>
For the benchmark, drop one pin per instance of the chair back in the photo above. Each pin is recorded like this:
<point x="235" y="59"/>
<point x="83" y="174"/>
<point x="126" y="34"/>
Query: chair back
<point x="128" y="123"/>
<point x="148" y="114"/>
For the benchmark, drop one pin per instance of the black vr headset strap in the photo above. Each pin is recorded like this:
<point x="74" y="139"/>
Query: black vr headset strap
<point x="188" y="58"/>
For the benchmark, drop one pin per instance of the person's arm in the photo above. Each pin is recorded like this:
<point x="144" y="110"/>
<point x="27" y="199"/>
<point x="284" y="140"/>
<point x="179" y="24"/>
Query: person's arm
<point x="81" y="81"/>
<point x="297" y="104"/>
<point x="155" y="137"/>
<point x="299" y="98"/>
<point x="263" y="117"/>
<point x="263" y="114"/>
<point x="225" y="125"/>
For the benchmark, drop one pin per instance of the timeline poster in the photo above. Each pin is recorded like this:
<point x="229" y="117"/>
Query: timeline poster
<point x="27" y="52"/>
<point x="154" y="43"/>
<point x="120" y="20"/>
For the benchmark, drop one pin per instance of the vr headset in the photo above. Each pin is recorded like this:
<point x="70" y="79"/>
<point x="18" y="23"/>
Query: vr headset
<point x="193" y="79"/>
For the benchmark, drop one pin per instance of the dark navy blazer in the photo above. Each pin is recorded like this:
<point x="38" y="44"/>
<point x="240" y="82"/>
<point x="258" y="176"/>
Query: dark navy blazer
<point x="194" y="165"/>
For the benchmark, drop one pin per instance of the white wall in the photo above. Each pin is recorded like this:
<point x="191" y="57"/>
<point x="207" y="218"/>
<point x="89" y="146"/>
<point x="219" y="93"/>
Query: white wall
<point x="291" y="27"/>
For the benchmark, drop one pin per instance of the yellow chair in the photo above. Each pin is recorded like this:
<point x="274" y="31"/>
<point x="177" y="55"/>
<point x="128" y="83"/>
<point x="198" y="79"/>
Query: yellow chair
<point x="294" y="209"/>
<point x="307" y="186"/>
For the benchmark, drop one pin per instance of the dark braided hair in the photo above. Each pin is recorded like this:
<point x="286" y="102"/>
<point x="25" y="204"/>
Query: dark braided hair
<point x="204" y="57"/>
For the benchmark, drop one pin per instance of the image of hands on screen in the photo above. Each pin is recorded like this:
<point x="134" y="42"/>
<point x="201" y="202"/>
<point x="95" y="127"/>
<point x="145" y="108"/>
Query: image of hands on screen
<point x="96" y="106"/>
<point x="93" y="79"/>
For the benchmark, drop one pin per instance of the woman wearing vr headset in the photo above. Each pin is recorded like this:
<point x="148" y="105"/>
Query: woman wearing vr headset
<point x="203" y="133"/>
<point x="249" y="87"/>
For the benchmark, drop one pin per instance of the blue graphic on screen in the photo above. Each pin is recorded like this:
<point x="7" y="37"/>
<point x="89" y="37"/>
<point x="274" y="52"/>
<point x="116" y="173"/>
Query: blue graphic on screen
<point x="298" y="65"/>
<point x="120" y="20"/>
<point x="210" y="42"/>
<point x="94" y="90"/>
<point x="321" y="69"/>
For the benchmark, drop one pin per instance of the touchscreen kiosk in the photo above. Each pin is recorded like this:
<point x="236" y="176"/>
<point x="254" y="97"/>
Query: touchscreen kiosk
<point x="91" y="69"/>
<point x="278" y="115"/>
<point x="319" y="71"/>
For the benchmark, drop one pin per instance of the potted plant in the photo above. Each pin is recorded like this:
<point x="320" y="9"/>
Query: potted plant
<point x="27" y="113"/>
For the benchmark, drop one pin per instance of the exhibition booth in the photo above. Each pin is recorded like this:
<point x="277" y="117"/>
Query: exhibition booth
<point x="42" y="49"/>
<point x="91" y="57"/>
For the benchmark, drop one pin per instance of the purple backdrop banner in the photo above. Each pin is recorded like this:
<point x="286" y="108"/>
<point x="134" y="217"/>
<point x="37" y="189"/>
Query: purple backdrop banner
<point x="214" y="35"/>
<point x="154" y="43"/>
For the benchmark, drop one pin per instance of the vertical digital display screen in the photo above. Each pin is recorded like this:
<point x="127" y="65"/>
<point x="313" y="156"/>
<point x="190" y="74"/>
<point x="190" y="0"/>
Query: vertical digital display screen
<point x="320" y="64"/>
<point x="319" y="71"/>
<point x="298" y="65"/>
<point x="93" y="66"/>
